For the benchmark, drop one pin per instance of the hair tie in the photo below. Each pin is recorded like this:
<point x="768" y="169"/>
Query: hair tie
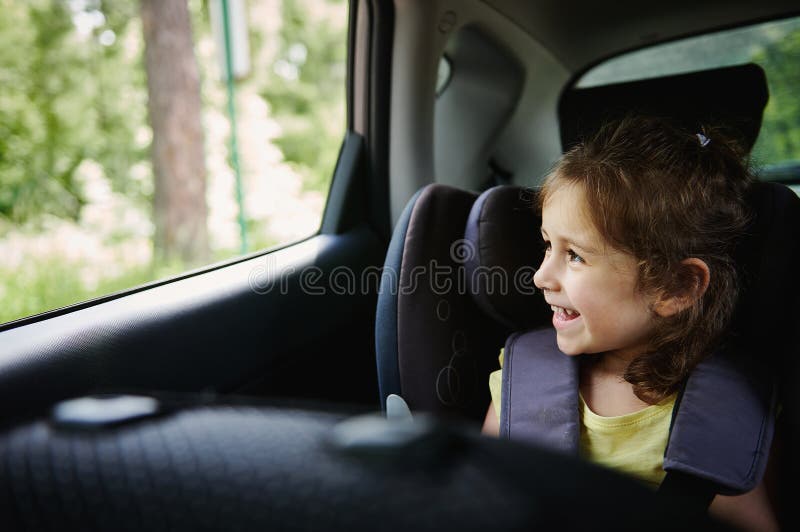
<point x="703" y="140"/>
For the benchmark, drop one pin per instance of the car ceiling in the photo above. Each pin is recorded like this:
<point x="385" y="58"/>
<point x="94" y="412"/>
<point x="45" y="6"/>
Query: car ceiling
<point x="581" y="33"/>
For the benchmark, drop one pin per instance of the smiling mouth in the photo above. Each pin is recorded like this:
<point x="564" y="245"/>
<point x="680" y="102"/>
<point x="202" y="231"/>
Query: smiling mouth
<point x="564" y="314"/>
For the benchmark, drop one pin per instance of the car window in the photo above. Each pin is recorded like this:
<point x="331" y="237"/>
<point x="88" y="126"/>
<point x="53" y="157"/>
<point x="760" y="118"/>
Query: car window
<point x="775" y="46"/>
<point x="133" y="147"/>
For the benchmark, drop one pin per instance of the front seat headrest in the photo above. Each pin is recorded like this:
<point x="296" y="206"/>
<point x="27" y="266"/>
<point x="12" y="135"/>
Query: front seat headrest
<point x="730" y="97"/>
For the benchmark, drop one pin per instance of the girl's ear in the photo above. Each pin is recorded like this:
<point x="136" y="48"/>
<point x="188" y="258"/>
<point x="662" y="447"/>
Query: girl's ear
<point x="696" y="276"/>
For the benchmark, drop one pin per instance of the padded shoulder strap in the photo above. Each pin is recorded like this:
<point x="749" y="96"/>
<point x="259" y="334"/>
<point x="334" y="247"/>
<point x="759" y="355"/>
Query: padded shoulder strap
<point x="721" y="432"/>
<point x="723" y="428"/>
<point x="540" y="399"/>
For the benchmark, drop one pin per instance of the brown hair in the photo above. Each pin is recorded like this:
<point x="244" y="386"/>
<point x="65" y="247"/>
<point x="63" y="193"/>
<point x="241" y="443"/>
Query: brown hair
<point x="663" y="194"/>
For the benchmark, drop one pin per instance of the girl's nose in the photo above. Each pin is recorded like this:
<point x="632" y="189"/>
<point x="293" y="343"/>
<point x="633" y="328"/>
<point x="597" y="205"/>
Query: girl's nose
<point x="545" y="278"/>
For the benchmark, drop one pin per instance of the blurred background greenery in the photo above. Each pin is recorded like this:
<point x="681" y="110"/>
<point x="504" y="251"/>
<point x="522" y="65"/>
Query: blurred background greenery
<point x="76" y="176"/>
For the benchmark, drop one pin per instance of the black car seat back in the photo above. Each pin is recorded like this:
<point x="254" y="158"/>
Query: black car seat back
<point x="732" y="98"/>
<point x="211" y="465"/>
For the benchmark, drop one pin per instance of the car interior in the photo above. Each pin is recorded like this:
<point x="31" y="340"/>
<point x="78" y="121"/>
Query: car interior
<point x="250" y="393"/>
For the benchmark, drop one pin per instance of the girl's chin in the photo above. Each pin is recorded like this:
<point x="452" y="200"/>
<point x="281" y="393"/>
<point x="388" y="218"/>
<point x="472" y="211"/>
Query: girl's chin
<point x="568" y="348"/>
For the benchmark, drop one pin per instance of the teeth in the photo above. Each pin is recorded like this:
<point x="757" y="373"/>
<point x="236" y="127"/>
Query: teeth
<point x="562" y="310"/>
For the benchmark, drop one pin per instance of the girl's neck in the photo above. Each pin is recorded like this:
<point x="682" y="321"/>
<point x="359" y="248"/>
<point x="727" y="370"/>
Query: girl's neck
<point x="611" y="363"/>
<point x="604" y="389"/>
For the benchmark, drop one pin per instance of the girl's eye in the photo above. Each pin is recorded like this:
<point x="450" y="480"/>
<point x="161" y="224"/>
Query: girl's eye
<point x="574" y="257"/>
<point x="546" y="246"/>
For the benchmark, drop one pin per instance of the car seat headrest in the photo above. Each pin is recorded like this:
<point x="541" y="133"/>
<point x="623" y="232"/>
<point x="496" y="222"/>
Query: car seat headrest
<point x="505" y="249"/>
<point x="730" y="97"/>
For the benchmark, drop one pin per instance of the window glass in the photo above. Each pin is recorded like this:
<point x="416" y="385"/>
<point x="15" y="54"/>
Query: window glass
<point x="128" y="154"/>
<point x="775" y="46"/>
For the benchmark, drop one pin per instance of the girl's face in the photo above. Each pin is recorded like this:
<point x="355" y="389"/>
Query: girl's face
<point x="590" y="286"/>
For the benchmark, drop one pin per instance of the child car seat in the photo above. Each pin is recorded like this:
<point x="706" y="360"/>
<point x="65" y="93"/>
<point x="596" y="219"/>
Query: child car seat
<point x="435" y="341"/>
<point x="733" y="381"/>
<point x="420" y="353"/>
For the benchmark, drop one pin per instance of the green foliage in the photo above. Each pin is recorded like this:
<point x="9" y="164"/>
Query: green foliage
<point x="306" y="91"/>
<point x="779" y="139"/>
<point x="29" y="290"/>
<point x="46" y="284"/>
<point x="66" y="98"/>
<point x="258" y="237"/>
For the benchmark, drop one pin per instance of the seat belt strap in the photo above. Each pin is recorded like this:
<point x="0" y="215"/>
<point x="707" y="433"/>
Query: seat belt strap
<point x="694" y="493"/>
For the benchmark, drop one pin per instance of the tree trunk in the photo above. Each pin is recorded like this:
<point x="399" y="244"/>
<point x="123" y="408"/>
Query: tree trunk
<point x="173" y="85"/>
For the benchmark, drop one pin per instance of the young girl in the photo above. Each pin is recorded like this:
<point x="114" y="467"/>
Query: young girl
<point x="638" y="225"/>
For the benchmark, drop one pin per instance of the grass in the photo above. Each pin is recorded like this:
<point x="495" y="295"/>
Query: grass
<point x="47" y="284"/>
<point x="50" y="284"/>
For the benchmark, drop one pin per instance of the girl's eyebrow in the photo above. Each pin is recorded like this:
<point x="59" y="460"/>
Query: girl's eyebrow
<point x="585" y="249"/>
<point x="582" y="247"/>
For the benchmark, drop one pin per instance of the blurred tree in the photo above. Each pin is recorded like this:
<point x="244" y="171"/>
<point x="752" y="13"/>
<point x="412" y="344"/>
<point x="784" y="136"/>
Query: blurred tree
<point x="306" y="89"/>
<point x="779" y="139"/>
<point x="65" y="89"/>
<point x="174" y="107"/>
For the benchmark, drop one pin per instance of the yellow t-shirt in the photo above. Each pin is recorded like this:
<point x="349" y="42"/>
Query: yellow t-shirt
<point x="632" y="443"/>
<point x="496" y="385"/>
